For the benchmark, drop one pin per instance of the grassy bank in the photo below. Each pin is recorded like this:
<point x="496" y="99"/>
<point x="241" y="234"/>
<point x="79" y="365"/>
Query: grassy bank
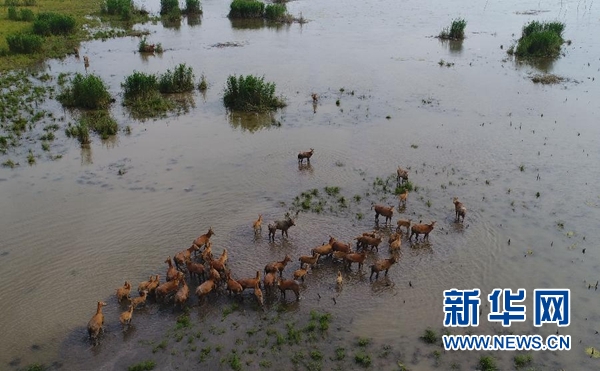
<point x="52" y="46"/>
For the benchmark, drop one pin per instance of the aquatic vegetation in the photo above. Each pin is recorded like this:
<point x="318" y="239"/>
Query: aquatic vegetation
<point x="275" y="12"/>
<point x="168" y="6"/>
<point x="540" y="39"/>
<point x="79" y="131"/>
<point x="246" y="9"/>
<point x="456" y="31"/>
<point x="363" y="359"/>
<point x="49" y="23"/>
<point x="122" y="8"/>
<point x="22" y="43"/>
<point x="180" y="80"/>
<point x="251" y="93"/>
<point x="86" y="92"/>
<point x="203" y="85"/>
<point x="100" y="122"/>
<point x="192" y="7"/>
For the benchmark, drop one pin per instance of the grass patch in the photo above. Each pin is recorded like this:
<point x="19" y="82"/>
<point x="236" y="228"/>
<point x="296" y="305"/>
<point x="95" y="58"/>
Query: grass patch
<point x="35" y="367"/>
<point x="429" y="336"/>
<point x="141" y="95"/>
<point x="122" y="8"/>
<point x="49" y="23"/>
<point x="80" y="131"/>
<point x="316" y="355"/>
<point x="251" y="93"/>
<point x="340" y="353"/>
<point x="86" y="92"/>
<point x="180" y="80"/>
<point x="192" y="7"/>
<point x="101" y="123"/>
<point x="522" y="360"/>
<point x="293" y="335"/>
<point x="540" y="39"/>
<point x="204" y="353"/>
<point x="9" y="163"/>
<point x="246" y="9"/>
<point x="203" y="85"/>
<point x="142" y="366"/>
<point x="234" y="362"/>
<point x="363" y="342"/>
<point x="332" y="191"/>
<point x="456" y="31"/>
<point x="22" y="43"/>
<point x="183" y="321"/>
<point x="487" y="363"/>
<point x="169" y="6"/>
<point x="275" y="12"/>
<point x="362" y="359"/>
<point x="162" y="345"/>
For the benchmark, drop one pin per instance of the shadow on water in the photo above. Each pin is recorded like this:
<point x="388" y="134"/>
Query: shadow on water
<point x="255" y="24"/>
<point x="252" y="122"/>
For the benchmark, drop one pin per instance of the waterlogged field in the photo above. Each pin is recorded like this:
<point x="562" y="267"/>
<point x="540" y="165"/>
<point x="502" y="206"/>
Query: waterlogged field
<point x="464" y="118"/>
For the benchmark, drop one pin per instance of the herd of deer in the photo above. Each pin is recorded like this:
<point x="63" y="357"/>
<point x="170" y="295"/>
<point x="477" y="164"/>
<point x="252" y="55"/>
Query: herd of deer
<point x="213" y="274"/>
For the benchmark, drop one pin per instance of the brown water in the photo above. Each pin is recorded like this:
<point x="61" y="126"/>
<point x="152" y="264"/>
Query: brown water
<point x="73" y="230"/>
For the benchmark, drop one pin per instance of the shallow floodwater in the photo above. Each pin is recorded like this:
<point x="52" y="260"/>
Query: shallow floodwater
<point x="74" y="230"/>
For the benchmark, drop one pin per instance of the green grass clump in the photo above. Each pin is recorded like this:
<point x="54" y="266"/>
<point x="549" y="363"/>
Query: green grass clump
<point x="275" y="12"/>
<point x="27" y="15"/>
<point x="79" y="131"/>
<point x="487" y="363"/>
<point x="101" y="123"/>
<point x="49" y="23"/>
<point x="124" y="8"/>
<point x="35" y="367"/>
<point x="362" y="359"/>
<point x="246" y="9"/>
<point x="251" y="93"/>
<point x="540" y="39"/>
<point x="203" y="85"/>
<point x="139" y="85"/>
<point x="180" y="80"/>
<point x="12" y="13"/>
<point x="456" y="31"/>
<point x="429" y="336"/>
<point x="141" y="95"/>
<point x="86" y="92"/>
<point x="168" y="6"/>
<point x="142" y="366"/>
<point x="332" y="191"/>
<point x="192" y="7"/>
<point x="234" y="362"/>
<point x="23" y="43"/>
<point x="522" y="360"/>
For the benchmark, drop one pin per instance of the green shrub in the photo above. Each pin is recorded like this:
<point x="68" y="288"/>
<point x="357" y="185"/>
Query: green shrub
<point x="540" y="39"/>
<point x="27" y="15"/>
<point x="167" y="6"/>
<point x="24" y="43"/>
<point x="275" y="12"/>
<point x="251" y="93"/>
<point x="246" y="9"/>
<point x="177" y="81"/>
<point x="456" y="31"/>
<point x="100" y="122"/>
<point x="48" y="24"/>
<point x="193" y="7"/>
<point x="86" y="92"/>
<point x="12" y="13"/>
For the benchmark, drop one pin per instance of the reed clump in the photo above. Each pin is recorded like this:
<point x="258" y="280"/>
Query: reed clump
<point x="246" y="9"/>
<point x="540" y="39"/>
<point x="251" y="93"/>
<point x="456" y="31"/>
<point x="88" y="92"/>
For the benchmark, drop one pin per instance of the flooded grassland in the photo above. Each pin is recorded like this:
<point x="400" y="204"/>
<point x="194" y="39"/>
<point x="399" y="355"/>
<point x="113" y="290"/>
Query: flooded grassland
<point x="522" y="157"/>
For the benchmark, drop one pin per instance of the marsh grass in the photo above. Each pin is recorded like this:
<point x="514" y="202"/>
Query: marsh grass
<point x="540" y="39"/>
<point x="192" y="7"/>
<point x="456" y="31"/>
<point x="246" y="9"/>
<point x="429" y="336"/>
<point x="275" y="12"/>
<point x="121" y="8"/>
<point x="86" y="92"/>
<point x="180" y="80"/>
<point x="169" y="6"/>
<point x="251" y="93"/>
<point x="522" y="360"/>
<point x="100" y="122"/>
<point x="203" y="85"/>
<point x="23" y="43"/>
<point x="49" y="23"/>
<point x="80" y="131"/>
<point x="362" y="359"/>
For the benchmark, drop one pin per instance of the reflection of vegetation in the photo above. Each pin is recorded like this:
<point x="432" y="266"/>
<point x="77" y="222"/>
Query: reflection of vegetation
<point x="251" y="121"/>
<point x="456" y="31"/>
<point x="540" y="39"/>
<point x="251" y="94"/>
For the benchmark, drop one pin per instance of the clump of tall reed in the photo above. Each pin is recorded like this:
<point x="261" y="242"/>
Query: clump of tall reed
<point x="180" y="80"/>
<point x="86" y="92"/>
<point x="246" y="9"/>
<point x="456" y="31"/>
<point x="540" y="39"/>
<point x="251" y="93"/>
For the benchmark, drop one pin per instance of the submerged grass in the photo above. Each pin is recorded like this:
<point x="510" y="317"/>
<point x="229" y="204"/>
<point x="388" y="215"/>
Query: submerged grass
<point x="540" y="39"/>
